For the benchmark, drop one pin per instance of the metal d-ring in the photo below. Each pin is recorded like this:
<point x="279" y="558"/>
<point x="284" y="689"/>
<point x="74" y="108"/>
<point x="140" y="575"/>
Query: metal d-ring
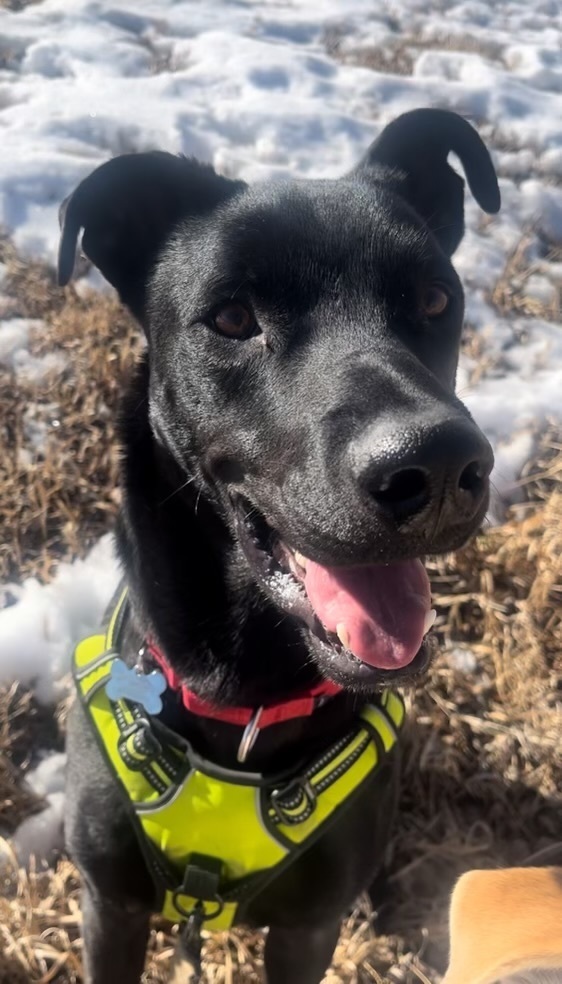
<point x="248" y="740"/>
<point x="198" y="909"/>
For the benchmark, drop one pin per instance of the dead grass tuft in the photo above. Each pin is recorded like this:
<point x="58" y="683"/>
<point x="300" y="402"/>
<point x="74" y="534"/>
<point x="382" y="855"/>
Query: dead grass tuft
<point x="16" y="801"/>
<point x="484" y="361"/>
<point x="393" y="58"/>
<point x="514" y="293"/>
<point x="397" y="55"/>
<point x="58" y="469"/>
<point x="39" y="923"/>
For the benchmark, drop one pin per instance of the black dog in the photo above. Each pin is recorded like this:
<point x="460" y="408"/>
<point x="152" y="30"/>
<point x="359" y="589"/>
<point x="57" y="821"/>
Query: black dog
<point x="292" y="446"/>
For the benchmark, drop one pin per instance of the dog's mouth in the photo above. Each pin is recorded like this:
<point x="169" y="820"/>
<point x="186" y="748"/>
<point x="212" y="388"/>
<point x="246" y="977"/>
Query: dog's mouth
<point x="366" y="623"/>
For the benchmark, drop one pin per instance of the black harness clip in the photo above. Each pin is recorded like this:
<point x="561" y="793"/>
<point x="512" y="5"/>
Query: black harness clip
<point x="201" y="880"/>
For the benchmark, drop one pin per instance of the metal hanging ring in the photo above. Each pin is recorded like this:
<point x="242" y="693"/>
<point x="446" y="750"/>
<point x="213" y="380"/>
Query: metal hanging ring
<point x="249" y="736"/>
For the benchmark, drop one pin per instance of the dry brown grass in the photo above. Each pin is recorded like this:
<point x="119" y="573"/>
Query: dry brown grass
<point x="483" y="766"/>
<point x="15" y="800"/>
<point x="397" y="55"/>
<point x="511" y="294"/>
<point x="396" y="58"/>
<point x="25" y="726"/>
<point x="485" y="360"/>
<point x="57" y="501"/>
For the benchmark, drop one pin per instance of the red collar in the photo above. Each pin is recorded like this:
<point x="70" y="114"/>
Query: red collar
<point x="301" y="705"/>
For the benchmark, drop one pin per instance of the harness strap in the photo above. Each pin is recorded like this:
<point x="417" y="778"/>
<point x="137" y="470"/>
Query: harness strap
<point x="191" y="942"/>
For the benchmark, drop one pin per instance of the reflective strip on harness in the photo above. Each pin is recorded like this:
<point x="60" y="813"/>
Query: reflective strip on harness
<point x="183" y="808"/>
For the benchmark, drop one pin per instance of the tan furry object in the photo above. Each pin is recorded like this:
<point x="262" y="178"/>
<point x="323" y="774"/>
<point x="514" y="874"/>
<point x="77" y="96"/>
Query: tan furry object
<point x="506" y="925"/>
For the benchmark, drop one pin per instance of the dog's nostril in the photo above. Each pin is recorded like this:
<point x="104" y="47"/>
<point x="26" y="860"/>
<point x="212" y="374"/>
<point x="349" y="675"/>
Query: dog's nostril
<point x="404" y="493"/>
<point x="472" y="478"/>
<point x="406" y="484"/>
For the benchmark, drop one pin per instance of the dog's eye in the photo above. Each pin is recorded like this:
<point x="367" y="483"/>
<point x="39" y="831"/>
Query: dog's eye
<point x="434" y="300"/>
<point x="235" y="320"/>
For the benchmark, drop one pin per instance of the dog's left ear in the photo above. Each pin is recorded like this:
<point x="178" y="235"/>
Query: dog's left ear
<point x="412" y="151"/>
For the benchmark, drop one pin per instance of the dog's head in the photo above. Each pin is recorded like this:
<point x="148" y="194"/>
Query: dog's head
<point x="303" y="342"/>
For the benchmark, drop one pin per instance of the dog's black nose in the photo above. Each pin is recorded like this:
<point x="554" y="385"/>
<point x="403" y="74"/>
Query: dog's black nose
<point x="419" y="472"/>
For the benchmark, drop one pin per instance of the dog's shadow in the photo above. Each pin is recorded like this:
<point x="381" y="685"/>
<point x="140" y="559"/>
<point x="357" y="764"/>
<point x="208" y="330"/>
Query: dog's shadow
<point x="456" y="813"/>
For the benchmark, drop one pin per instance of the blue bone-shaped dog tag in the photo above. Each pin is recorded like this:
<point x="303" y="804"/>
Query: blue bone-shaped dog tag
<point x="128" y="684"/>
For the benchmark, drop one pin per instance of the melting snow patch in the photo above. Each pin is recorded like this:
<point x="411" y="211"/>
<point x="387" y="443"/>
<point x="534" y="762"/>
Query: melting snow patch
<point x="14" y="338"/>
<point x="39" y="631"/>
<point x="14" y="354"/>
<point x="42" y="834"/>
<point x="462" y="660"/>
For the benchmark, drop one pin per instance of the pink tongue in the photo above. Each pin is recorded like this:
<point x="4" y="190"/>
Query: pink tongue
<point x="379" y="610"/>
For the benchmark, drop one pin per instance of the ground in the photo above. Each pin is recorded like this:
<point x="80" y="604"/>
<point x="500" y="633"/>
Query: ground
<point x="283" y="88"/>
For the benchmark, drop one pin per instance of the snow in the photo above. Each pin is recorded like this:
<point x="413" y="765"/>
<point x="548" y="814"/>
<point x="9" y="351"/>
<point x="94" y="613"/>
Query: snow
<point x="281" y="88"/>
<point x="462" y="660"/>
<point x="14" y="354"/>
<point x="42" y="623"/>
<point x="14" y="338"/>
<point x="42" y="833"/>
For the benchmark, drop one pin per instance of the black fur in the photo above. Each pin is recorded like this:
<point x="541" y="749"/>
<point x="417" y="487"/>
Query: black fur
<point x="335" y="424"/>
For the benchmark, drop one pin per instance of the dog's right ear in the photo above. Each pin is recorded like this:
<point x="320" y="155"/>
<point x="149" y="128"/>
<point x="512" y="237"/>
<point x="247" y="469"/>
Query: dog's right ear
<point x="128" y="208"/>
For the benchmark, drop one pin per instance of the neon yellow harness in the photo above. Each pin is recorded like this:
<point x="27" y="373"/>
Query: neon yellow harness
<point x="214" y="837"/>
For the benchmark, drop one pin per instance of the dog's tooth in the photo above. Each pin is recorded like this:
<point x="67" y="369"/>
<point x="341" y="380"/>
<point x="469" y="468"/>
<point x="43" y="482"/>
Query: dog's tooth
<point x="300" y="559"/>
<point x="342" y="634"/>
<point x="429" y="620"/>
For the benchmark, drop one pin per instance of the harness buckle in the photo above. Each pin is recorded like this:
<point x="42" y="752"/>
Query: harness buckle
<point x="294" y="802"/>
<point x="139" y="743"/>
<point x="201" y="881"/>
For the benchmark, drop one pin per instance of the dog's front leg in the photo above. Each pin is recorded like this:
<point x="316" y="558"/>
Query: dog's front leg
<point x="115" y="941"/>
<point x="299" y="956"/>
